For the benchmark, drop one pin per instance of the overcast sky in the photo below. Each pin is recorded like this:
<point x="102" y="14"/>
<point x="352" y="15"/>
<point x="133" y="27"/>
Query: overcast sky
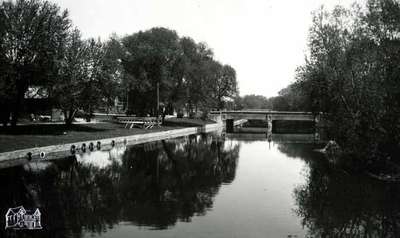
<point x="264" y="40"/>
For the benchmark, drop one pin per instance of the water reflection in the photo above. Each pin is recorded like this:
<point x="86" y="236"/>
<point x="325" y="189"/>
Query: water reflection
<point x="305" y="152"/>
<point x="142" y="189"/>
<point x="333" y="203"/>
<point x="153" y="185"/>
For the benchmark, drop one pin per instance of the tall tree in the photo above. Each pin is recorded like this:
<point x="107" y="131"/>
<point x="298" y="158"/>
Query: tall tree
<point x="198" y="58"/>
<point x="112" y="73"/>
<point x="81" y="77"/>
<point x="31" y="38"/>
<point x="352" y="74"/>
<point x="151" y="59"/>
<point x="71" y="76"/>
<point x="224" y="85"/>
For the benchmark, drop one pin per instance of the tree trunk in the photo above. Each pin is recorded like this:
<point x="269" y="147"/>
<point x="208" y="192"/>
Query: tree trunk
<point x="17" y="107"/>
<point x="220" y="104"/>
<point x="4" y="115"/>
<point x="68" y="122"/>
<point x="69" y="116"/>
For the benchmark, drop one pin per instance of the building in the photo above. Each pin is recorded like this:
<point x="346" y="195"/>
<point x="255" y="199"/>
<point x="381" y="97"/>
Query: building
<point x="39" y="106"/>
<point x="20" y="218"/>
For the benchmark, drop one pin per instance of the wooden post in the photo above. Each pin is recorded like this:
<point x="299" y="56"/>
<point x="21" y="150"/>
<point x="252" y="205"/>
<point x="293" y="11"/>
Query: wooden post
<point x="127" y="102"/>
<point x="269" y="128"/>
<point x="317" y="119"/>
<point x="158" y="104"/>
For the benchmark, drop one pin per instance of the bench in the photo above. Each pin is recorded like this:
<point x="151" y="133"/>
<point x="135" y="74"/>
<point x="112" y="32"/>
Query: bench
<point x="142" y="122"/>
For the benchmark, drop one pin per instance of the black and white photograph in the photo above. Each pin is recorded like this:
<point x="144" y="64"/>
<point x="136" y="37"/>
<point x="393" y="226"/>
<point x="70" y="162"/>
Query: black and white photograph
<point x="199" y="118"/>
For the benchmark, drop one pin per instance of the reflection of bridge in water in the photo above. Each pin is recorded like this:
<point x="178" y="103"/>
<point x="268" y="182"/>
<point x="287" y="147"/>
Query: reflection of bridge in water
<point x="231" y="119"/>
<point x="279" y="138"/>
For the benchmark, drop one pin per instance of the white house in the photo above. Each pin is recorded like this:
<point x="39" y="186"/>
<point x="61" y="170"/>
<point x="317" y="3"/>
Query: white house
<point x="20" y="218"/>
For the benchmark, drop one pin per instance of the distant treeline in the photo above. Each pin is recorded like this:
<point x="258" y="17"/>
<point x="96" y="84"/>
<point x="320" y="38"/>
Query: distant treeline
<point x="283" y="102"/>
<point x="40" y="49"/>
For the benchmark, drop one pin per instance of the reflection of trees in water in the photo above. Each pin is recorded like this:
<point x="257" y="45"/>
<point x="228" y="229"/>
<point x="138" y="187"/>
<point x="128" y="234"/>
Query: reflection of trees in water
<point x="47" y="191"/>
<point x="336" y="204"/>
<point x="153" y="186"/>
<point x="303" y="151"/>
<point x="183" y="184"/>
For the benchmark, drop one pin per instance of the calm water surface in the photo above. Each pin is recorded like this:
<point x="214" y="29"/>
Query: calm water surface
<point x="201" y="186"/>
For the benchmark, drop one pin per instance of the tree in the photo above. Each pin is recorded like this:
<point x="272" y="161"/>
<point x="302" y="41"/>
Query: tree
<point x="352" y="75"/>
<point x="291" y="98"/>
<point x="71" y="76"/>
<point x="112" y="71"/>
<point x="195" y="58"/>
<point x="203" y="77"/>
<point x="31" y="38"/>
<point x="224" y="84"/>
<point x="82" y="74"/>
<point x="185" y="71"/>
<point x="152" y="57"/>
<point x="255" y="102"/>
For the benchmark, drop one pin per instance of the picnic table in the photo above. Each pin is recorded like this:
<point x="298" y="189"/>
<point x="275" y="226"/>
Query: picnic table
<point x="141" y="122"/>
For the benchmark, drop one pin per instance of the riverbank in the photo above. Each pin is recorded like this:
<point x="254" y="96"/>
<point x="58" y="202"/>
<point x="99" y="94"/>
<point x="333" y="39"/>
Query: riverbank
<point x="64" y="149"/>
<point x="39" y="135"/>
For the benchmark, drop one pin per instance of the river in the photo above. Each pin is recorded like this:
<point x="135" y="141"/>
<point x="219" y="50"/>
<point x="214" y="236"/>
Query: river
<point x="201" y="186"/>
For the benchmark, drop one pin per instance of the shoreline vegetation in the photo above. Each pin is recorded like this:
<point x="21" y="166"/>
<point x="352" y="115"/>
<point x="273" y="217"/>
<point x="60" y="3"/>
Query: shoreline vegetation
<point x="351" y="74"/>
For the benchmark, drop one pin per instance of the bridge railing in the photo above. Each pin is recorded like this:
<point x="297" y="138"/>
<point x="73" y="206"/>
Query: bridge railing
<point x="263" y="112"/>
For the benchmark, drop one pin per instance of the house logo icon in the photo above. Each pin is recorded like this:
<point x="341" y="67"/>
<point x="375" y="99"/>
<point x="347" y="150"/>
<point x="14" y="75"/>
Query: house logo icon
<point x="20" y="218"/>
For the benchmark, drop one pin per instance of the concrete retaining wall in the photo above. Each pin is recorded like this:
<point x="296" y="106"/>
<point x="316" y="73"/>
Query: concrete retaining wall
<point x="61" y="151"/>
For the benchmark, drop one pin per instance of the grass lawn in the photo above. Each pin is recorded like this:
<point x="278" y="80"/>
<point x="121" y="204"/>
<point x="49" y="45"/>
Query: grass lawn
<point x="28" y="136"/>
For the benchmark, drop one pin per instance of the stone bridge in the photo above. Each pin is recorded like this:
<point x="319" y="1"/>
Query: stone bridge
<point x="230" y="116"/>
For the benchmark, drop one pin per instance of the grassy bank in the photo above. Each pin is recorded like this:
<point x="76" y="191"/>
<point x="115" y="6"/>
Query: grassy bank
<point x="29" y="136"/>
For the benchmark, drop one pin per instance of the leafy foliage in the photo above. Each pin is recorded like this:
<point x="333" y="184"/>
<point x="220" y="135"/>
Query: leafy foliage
<point x="352" y="74"/>
<point x="85" y="76"/>
<point x="40" y="48"/>
<point x="152" y="57"/>
<point x="31" y="40"/>
<point x="185" y="71"/>
<point x="253" y="102"/>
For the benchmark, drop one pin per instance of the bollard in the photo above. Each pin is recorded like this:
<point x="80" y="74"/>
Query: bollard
<point x="91" y="146"/>
<point x="72" y="149"/>
<point x="29" y="155"/>
<point x="83" y="147"/>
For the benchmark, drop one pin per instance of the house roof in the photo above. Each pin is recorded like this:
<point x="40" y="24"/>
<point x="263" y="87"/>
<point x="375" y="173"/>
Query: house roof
<point x="37" y="212"/>
<point x="15" y="210"/>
